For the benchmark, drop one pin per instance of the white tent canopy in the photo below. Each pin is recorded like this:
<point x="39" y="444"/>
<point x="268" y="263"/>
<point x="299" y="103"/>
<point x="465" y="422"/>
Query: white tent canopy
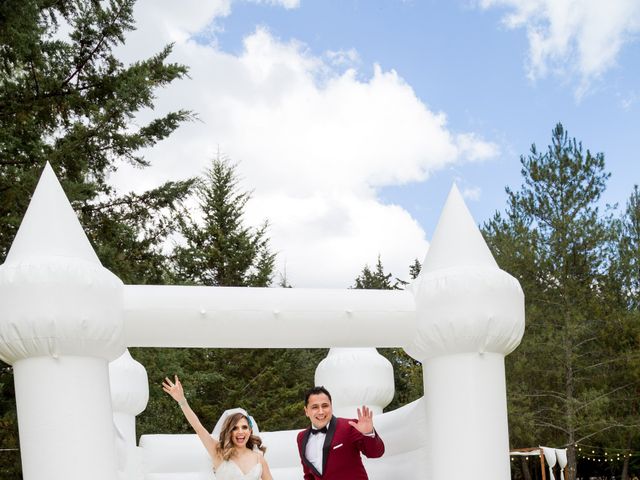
<point x="551" y="456"/>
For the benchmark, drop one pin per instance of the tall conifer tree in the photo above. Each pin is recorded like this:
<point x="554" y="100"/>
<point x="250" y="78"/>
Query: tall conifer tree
<point x="219" y="249"/>
<point x="67" y="99"/>
<point x="624" y="335"/>
<point x="555" y="241"/>
<point x="376" y="279"/>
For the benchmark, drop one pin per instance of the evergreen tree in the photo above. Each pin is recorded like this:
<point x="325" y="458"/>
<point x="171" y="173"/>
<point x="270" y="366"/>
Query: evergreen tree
<point x="220" y="250"/>
<point x="130" y="233"/>
<point x="624" y="334"/>
<point x="554" y="240"/>
<point x="377" y="279"/>
<point x="407" y="372"/>
<point x="414" y="269"/>
<point x="68" y="100"/>
<point x="629" y="251"/>
<point x="283" y="281"/>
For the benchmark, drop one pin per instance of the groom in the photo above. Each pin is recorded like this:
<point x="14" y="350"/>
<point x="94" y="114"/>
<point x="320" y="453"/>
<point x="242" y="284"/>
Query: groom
<point x="330" y="448"/>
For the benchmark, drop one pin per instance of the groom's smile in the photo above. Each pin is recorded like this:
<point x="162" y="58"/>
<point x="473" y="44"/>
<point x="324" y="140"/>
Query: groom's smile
<point x="319" y="410"/>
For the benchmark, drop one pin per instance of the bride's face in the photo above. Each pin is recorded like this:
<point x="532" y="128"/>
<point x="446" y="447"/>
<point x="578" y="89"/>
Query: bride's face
<point x="240" y="433"/>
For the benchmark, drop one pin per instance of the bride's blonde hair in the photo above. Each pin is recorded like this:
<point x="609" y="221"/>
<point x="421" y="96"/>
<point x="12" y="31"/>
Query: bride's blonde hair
<point x="225" y="445"/>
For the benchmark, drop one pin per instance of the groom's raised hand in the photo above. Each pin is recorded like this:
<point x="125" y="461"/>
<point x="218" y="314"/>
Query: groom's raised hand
<point x="365" y="421"/>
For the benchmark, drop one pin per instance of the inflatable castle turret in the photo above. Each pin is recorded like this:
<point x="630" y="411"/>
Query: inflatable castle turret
<point x="60" y="324"/>
<point x="469" y="315"/>
<point x="356" y="377"/>
<point x="129" y="397"/>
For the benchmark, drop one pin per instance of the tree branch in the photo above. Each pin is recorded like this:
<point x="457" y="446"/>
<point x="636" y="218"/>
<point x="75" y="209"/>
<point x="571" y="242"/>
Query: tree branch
<point x="585" y="405"/>
<point x="82" y="64"/>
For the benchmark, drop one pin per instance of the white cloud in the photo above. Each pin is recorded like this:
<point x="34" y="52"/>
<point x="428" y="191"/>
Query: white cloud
<point x="313" y="143"/>
<point x="472" y="193"/>
<point x="339" y="58"/>
<point x="324" y="240"/>
<point x="288" y="4"/>
<point x="579" y="38"/>
<point x="629" y="100"/>
<point x="159" y="22"/>
<point x="474" y="148"/>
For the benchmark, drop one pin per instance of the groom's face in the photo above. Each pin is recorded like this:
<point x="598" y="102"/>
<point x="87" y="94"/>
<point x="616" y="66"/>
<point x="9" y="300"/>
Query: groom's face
<point x="319" y="410"/>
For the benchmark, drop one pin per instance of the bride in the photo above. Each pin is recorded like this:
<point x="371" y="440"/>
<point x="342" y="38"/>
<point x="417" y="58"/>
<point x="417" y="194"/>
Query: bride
<point x="238" y="454"/>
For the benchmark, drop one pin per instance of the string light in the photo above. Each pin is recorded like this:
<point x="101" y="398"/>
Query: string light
<point x="609" y="455"/>
<point x="598" y="454"/>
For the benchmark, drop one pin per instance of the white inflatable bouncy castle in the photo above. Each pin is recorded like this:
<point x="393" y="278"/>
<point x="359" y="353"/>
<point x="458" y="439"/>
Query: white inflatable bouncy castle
<point x="66" y="323"/>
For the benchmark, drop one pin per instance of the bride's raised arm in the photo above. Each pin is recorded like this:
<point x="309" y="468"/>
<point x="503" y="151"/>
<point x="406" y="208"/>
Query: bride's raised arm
<point x="174" y="389"/>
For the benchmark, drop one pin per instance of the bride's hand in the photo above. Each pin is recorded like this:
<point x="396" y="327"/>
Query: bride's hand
<point x="173" y="388"/>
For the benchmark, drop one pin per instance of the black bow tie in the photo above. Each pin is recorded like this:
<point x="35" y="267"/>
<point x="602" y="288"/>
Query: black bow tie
<point x="319" y="430"/>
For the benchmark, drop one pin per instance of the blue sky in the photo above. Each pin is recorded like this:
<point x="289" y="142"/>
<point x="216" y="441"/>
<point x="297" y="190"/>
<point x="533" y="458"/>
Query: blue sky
<point x="408" y="96"/>
<point x="460" y="59"/>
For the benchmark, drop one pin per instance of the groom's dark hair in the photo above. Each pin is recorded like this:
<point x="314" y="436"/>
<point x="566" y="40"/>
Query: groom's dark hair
<point x="315" y="391"/>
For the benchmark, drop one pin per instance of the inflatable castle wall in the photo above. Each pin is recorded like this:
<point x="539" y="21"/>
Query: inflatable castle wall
<point x="66" y="323"/>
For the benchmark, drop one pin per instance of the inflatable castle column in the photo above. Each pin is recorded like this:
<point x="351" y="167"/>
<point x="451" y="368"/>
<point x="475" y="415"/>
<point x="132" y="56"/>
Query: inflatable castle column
<point x="470" y="314"/>
<point x="129" y="397"/>
<point x="60" y="325"/>
<point x="356" y="377"/>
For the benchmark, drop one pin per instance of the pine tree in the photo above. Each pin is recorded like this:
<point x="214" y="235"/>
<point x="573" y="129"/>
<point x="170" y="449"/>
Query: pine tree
<point x="220" y="250"/>
<point x="68" y="100"/>
<point x="555" y="241"/>
<point x="377" y="279"/>
<point x="283" y="281"/>
<point x="624" y="334"/>
<point x="414" y="269"/>
<point x="629" y="251"/>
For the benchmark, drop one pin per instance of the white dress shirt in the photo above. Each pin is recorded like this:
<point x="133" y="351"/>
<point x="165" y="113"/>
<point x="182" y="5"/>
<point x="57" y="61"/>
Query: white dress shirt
<point x="313" y="452"/>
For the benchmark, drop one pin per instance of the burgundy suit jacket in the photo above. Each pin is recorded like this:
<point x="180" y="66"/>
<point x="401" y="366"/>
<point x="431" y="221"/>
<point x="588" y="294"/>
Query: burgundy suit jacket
<point x="343" y="445"/>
